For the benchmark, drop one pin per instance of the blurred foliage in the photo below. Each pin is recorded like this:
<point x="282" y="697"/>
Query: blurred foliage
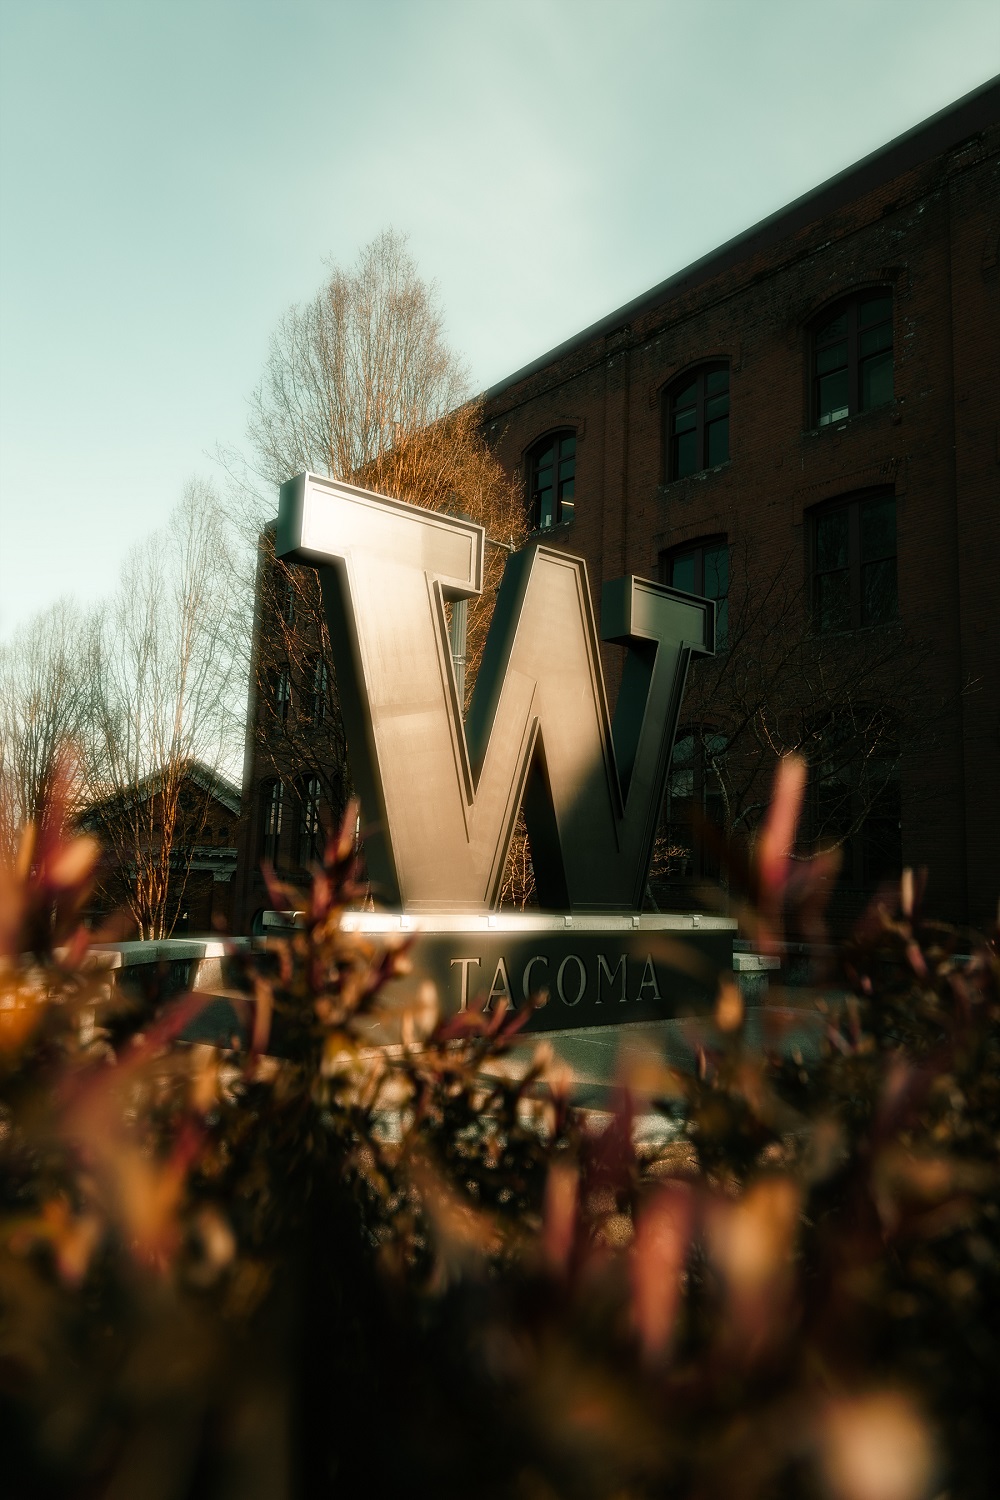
<point x="381" y="1270"/>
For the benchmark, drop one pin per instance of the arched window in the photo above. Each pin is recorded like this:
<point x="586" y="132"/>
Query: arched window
<point x="696" y="420"/>
<point x="852" y="356"/>
<point x="552" y="480"/>
<point x="702" y="567"/>
<point x="271" y="800"/>
<point x="309" y="840"/>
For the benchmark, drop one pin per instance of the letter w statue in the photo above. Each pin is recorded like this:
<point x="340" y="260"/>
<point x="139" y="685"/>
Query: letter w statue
<point x="440" y="798"/>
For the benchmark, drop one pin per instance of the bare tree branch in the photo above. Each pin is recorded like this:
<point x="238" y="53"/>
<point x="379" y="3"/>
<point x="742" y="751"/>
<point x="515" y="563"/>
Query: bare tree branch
<point x="359" y="385"/>
<point x="45" y="706"/>
<point x="162" y="668"/>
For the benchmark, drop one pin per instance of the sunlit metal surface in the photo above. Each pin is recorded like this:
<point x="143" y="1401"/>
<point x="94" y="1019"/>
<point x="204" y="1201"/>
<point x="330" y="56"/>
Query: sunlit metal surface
<point x="440" y="799"/>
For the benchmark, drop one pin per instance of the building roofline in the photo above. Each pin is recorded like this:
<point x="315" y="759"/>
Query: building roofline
<point x="968" y="116"/>
<point x="212" y="782"/>
<point x="217" y="785"/>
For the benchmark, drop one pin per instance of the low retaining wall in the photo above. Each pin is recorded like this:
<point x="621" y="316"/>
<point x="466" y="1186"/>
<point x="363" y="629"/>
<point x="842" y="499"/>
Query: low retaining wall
<point x="152" y="973"/>
<point x="156" y="971"/>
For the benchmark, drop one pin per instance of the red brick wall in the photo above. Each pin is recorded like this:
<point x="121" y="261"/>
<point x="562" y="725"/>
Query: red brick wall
<point x="932" y="235"/>
<point x="922" y="217"/>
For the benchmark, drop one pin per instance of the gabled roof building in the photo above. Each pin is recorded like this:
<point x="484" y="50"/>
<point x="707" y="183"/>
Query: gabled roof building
<point x="169" y="847"/>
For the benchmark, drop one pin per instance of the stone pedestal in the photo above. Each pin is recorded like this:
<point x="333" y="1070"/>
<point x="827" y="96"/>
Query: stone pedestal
<point x="594" y="969"/>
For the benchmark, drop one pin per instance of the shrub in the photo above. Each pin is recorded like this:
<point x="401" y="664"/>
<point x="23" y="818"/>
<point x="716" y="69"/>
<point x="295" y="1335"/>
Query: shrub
<point x="421" y="1268"/>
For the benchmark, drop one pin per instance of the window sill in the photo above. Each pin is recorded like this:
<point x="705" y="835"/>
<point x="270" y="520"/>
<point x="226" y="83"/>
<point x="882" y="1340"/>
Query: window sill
<point x="890" y="412"/>
<point x="855" y="630"/>
<point x="559" y="530"/>
<point x="698" y="477"/>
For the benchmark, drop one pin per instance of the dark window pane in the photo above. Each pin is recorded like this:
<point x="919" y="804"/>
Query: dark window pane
<point x="681" y="786"/>
<point x="833" y="601"/>
<point x="698" y="422"/>
<point x="836" y="328"/>
<point x="553" y="469"/>
<point x="682" y="575"/>
<point x="682" y="752"/>
<point x="878" y="529"/>
<point x="878" y="592"/>
<point x="833" y="358"/>
<point x="832" y="397"/>
<point x="718" y="442"/>
<point x="852" y="358"/>
<point x="876" y="381"/>
<point x="685" y="454"/>
<point x="716" y="584"/>
<point x="314" y="690"/>
<point x="874" y="339"/>
<point x="270" y="822"/>
<point x="281" y="691"/>
<point x="705" y="570"/>
<point x="693" y="783"/>
<point x="309" y="824"/>
<point x="875" y="309"/>
<point x="831" y="540"/>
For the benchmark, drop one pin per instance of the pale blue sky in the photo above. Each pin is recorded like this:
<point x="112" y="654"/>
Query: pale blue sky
<point x="176" y="172"/>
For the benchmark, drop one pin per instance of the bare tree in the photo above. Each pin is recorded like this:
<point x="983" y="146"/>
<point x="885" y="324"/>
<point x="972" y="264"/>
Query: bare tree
<point x="356" y="370"/>
<point x="163" y="671"/>
<point x="359" y="385"/>
<point x="45" y="703"/>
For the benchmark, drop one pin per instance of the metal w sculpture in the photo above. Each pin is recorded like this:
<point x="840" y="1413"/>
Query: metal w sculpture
<point x="442" y="797"/>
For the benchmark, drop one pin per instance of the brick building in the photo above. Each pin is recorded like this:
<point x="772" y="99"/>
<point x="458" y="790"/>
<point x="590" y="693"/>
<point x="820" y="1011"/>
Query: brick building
<point x="184" y="839"/>
<point x="805" y="424"/>
<point x="295" y="779"/>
